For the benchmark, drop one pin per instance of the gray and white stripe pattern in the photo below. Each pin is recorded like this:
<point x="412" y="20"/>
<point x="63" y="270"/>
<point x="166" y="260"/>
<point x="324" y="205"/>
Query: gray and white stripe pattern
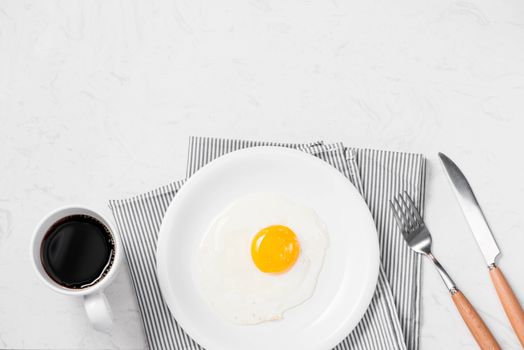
<point x="138" y="220"/>
<point x="384" y="174"/>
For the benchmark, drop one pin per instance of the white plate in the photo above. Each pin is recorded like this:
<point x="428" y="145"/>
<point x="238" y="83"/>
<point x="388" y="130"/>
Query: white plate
<point x="346" y="282"/>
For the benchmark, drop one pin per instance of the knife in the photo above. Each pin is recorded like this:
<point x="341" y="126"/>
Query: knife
<point x="486" y="242"/>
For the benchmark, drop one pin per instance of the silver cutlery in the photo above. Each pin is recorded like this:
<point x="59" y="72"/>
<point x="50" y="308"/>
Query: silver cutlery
<point x="418" y="238"/>
<point x="486" y="242"/>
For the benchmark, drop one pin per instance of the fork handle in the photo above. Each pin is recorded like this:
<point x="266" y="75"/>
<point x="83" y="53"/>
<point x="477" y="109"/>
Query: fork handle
<point x="509" y="301"/>
<point x="476" y="325"/>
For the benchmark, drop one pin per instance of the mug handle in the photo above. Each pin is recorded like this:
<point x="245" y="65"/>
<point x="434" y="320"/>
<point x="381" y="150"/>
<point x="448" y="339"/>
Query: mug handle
<point x="98" y="311"/>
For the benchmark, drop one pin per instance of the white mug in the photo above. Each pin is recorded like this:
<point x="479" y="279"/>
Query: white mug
<point x="95" y="302"/>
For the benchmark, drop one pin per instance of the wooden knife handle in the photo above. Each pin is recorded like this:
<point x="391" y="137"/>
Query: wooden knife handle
<point x="509" y="301"/>
<point x="476" y="326"/>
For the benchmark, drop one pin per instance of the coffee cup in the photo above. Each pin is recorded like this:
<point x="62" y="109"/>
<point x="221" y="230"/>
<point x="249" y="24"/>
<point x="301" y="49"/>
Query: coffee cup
<point x="75" y="251"/>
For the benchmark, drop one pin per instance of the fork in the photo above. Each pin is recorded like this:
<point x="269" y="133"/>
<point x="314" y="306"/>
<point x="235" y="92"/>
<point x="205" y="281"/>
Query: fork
<point x="418" y="238"/>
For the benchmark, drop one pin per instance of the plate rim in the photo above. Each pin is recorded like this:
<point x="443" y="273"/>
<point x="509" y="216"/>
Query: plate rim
<point x="342" y="332"/>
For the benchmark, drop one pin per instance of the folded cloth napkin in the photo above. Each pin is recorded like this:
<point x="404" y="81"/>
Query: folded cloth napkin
<point x="391" y="321"/>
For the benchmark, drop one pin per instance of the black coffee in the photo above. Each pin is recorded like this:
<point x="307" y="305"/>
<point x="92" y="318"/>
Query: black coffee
<point x="77" y="251"/>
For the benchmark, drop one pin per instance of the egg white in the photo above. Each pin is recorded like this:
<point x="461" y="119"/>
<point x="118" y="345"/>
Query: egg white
<point x="229" y="280"/>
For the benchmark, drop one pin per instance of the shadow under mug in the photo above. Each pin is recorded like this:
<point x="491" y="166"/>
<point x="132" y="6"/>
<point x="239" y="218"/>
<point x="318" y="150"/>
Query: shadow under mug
<point x="95" y="302"/>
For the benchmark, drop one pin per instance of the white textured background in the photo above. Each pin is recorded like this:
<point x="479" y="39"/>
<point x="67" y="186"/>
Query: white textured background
<point x="98" y="98"/>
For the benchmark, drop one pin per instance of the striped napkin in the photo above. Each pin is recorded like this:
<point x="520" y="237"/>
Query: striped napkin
<point x="391" y="321"/>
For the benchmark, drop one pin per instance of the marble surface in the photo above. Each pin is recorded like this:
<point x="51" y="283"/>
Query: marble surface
<point x="98" y="98"/>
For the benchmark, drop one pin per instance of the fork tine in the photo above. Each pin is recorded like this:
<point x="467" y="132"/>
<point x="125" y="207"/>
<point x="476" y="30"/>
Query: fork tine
<point x="413" y="207"/>
<point x="404" y="210"/>
<point x="397" y="217"/>
<point x="408" y="211"/>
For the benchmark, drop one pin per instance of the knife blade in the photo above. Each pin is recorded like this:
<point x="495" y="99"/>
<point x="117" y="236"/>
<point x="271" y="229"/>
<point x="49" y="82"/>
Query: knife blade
<point x="472" y="211"/>
<point x="487" y="244"/>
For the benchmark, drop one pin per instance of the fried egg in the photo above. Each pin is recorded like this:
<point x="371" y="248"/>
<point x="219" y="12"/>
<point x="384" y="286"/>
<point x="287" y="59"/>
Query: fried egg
<point x="260" y="257"/>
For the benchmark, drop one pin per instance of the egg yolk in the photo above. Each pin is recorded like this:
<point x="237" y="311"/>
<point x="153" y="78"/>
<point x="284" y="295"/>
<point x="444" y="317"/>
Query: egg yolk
<point x="275" y="249"/>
